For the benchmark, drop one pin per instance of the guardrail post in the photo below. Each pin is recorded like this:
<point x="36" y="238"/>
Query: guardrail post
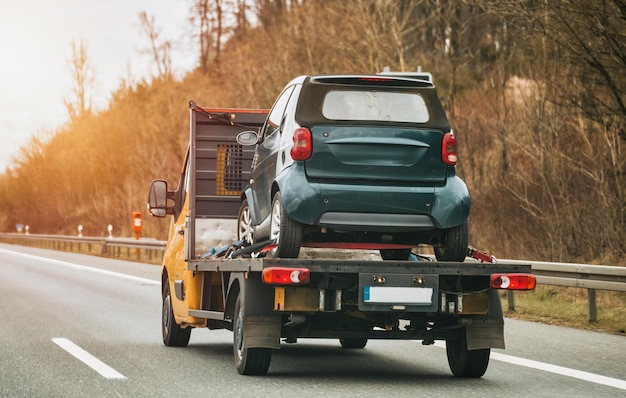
<point x="510" y="296"/>
<point x="593" y="311"/>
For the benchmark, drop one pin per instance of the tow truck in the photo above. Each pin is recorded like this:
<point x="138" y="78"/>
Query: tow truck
<point x="212" y="280"/>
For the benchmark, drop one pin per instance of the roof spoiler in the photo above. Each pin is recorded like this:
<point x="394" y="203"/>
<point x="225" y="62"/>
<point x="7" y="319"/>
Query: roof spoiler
<point x="418" y="75"/>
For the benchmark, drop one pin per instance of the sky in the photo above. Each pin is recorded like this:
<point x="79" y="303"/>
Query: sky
<point x="35" y="57"/>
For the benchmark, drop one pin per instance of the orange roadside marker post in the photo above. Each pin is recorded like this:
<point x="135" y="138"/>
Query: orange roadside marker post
<point x="137" y="223"/>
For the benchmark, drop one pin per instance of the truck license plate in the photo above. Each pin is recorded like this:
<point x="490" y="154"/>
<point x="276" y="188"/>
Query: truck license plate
<point x="398" y="295"/>
<point x="410" y="292"/>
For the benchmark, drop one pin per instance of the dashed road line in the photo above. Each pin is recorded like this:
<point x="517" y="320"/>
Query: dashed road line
<point x="94" y="363"/>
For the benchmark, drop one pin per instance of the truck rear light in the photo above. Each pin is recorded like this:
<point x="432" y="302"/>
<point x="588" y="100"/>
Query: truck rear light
<point x="448" y="149"/>
<point x="302" y="148"/>
<point x="285" y="276"/>
<point x="513" y="281"/>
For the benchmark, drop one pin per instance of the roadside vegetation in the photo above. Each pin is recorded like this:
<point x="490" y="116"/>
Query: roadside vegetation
<point x="535" y="91"/>
<point x="568" y="306"/>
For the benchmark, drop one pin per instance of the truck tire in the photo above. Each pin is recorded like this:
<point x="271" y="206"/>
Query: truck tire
<point x="454" y="244"/>
<point x="353" y="342"/>
<point x="465" y="363"/>
<point x="395" y="254"/>
<point x="173" y="334"/>
<point x="245" y="229"/>
<point x="286" y="232"/>
<point x="249" y="361"/>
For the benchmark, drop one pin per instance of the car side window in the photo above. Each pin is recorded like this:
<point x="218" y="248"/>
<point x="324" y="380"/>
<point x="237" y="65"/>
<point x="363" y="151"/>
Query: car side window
<point x="276" y="114"/>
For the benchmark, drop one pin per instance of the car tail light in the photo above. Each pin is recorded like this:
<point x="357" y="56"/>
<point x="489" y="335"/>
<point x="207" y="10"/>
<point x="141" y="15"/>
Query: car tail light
<point x="374" y="79"/>
<point x="448" y="149"/>
<point x="301" y="149"/>
<point x="513" y="281"/>
<point x="285" y="276"/>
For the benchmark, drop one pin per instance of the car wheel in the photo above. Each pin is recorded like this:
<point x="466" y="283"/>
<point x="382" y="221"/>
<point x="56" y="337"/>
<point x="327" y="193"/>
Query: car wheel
<point x="245" y="229"/>
<point x="465" y="363"/>
<point x="286" y="232"/>
<point x="249" y="361"/>
<point x="353" y="342"/>
<point x="173" y="334"/>
<point x="395" y="254"/>
<point x="454" y="244"/>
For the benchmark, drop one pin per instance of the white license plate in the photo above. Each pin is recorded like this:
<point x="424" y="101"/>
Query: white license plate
<point x="397" y="295"/>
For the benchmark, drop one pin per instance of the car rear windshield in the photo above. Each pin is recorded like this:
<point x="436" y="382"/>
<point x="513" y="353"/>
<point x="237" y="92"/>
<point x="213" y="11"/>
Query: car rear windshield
<point x="371" y="105"/>
<point x="368" y="100"/>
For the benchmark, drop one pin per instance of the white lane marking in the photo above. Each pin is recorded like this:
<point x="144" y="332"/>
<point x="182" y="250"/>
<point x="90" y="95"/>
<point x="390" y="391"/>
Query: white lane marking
<point x="560" y="370"/>
<point x="83" y="268"/>
<point x="88" y="359"/>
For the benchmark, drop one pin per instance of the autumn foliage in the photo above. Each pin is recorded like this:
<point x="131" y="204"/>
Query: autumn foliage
<point x="535" y="92"/>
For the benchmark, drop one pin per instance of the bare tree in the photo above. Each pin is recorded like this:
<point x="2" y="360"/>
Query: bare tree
<point x="242" y="23"/>
<point x="564" y="127"/>
<point x="82" y="75"/>
<point x="160" y="50"/>
<point x="270" y="11"/>
<point x="210" y="26"/>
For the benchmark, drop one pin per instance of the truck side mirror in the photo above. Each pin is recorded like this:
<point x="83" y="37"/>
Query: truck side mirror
<point x="248" y="138"/>
<point x="157" y="199"/>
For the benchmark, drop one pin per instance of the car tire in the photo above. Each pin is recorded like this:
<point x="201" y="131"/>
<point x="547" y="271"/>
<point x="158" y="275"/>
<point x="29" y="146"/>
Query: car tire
<point x="353" y="343"/>
<point x="173" y="334"/>
<point x="454" y="244"/>
<point x="245" y="229"/>
<point x="249" y="361"/>
<point x="465" y="363"/>
<point x="395" y="254"/>
<point x="286" y="232"/>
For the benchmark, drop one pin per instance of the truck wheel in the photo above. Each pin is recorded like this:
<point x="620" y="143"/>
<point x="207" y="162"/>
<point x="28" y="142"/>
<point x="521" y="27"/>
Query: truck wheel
<point x="465" y="363"/>
<point x="173" y="334"/>
<point x="245" y="229"/>
<point x="454" y="244"/>
<point x="249" y="361"/>
<point x="353" y="342"/>
<point x="395" y="254"/>
<point x="286" y="232"/>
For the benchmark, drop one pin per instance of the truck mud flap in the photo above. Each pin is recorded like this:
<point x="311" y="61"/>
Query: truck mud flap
<point x="487" y="331"/>
<point x="262" y="332"/>
<point x="486" y="334"/>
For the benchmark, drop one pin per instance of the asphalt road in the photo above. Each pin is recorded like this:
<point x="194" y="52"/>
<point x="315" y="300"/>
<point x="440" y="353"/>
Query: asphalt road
<point x="80" y="326"/>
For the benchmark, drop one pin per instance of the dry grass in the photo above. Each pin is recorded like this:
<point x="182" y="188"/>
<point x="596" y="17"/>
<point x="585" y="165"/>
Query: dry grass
<point x="570" y="307"/>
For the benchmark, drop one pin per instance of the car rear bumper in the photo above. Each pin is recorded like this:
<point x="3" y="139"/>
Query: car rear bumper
<point x="376" y="222"/>
<point x="380" y="208"/>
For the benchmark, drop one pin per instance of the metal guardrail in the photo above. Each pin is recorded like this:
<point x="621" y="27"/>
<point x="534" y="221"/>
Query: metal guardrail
<point x="151" y="248"/>
<point x="600" y="277"/>
<point x="590" y="277"/>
